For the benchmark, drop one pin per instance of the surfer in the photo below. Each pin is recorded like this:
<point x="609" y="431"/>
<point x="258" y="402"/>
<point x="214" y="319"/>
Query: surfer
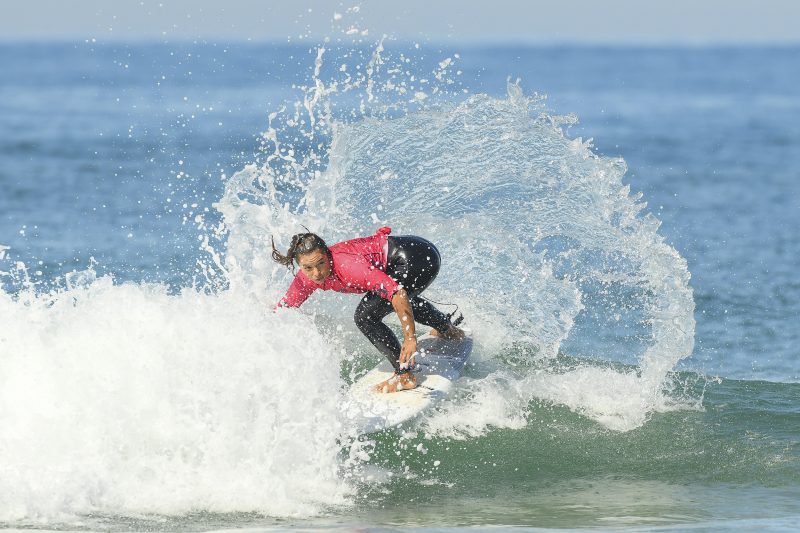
<point x="391" y="272"/>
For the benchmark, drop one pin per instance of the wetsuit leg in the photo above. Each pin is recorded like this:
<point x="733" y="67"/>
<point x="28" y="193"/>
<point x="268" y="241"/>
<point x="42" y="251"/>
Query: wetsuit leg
<point x="414" y="262"/>
<point x="369" y="319"/>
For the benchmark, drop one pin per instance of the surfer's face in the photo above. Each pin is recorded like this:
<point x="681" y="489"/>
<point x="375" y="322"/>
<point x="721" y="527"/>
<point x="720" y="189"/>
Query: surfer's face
<point x="315" y="265"/>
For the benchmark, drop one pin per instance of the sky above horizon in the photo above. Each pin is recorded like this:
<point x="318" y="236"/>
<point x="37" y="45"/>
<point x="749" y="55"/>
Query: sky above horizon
<point x="573" y="21"/>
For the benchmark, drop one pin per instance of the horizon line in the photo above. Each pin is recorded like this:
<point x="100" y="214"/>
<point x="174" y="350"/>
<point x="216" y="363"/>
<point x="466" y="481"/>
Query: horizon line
<point x="475" y="43"/>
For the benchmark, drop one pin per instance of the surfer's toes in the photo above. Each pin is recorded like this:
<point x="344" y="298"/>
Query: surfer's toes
<point x="398" y="382"/>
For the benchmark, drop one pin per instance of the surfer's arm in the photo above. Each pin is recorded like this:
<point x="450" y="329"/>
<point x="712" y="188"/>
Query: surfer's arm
<point x="377" y="281"/>
<point x="402" y="306"/>
<point x="298" y="292"/>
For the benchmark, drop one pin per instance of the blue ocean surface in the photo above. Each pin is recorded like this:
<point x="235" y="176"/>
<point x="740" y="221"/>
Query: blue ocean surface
<point x="618" y="225"/>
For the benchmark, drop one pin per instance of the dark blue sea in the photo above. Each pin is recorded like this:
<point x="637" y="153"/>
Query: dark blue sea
<point x="617" y="224"/>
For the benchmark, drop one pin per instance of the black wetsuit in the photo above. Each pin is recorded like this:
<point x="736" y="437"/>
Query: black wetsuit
<point x="413" y="262"/>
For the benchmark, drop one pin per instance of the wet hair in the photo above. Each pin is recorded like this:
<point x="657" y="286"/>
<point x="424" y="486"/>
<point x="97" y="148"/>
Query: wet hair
<point x="302" y="243"/>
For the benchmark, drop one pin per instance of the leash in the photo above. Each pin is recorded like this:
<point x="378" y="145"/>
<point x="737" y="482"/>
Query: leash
<point x="458" y="319"/>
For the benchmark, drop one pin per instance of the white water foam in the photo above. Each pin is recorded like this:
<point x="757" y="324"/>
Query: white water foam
<point x="124" y="399"/>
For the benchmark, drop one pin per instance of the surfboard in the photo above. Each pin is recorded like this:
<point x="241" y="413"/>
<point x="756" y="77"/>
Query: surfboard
<point x="439" y="363"/>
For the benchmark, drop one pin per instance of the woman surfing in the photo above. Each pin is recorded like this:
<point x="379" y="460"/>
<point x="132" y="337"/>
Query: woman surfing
<point x="391" y="272"/>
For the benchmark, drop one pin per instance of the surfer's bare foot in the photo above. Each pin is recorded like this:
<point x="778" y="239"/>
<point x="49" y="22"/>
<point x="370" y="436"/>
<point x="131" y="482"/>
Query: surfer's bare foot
<point x="454" y="333"/>
<point x="398" y="382"/>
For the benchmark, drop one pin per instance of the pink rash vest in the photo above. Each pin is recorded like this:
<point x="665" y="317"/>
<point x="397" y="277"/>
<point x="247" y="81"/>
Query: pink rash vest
<point x="359" y="266"/>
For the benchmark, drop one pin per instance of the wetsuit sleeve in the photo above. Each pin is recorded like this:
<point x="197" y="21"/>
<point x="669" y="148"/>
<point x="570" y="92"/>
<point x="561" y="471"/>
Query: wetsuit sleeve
<point x="298" y="292"/>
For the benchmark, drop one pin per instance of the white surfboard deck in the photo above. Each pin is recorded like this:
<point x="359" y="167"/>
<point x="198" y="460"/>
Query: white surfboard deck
<point x="440" y="362"/>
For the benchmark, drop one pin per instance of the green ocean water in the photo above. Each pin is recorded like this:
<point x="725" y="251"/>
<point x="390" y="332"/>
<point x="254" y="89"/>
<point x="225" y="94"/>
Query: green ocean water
<point x="732" y="464"/>
<point x="733" y="459"/>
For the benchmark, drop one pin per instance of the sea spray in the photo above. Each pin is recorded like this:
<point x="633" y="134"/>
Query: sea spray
<point x="543" y="243"/>
<point x="540" y="238"/>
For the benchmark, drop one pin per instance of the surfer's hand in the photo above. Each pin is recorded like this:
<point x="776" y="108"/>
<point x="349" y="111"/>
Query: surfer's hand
<point x="407" y="352"/>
